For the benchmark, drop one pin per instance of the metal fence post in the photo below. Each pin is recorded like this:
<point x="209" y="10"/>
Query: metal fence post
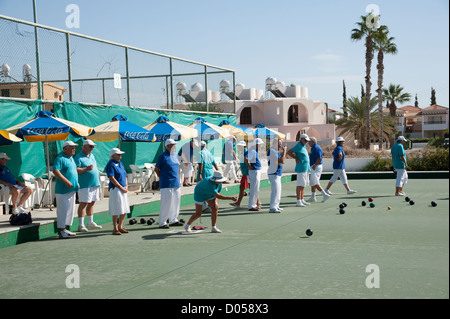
<point x="128" y="76"/>
<point x="171" y="84"/>
<point x="234" y="92"/>
<point x="36" y="40"/>
<point x="69" y="66"/>
<point x="206" y="88"/>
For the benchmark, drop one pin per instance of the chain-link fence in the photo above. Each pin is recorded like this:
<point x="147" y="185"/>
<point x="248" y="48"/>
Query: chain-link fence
<point x="51" y="64"/>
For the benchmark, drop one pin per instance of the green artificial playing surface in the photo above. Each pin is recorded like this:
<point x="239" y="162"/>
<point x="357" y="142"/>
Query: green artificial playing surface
<point x="364" y="253"/>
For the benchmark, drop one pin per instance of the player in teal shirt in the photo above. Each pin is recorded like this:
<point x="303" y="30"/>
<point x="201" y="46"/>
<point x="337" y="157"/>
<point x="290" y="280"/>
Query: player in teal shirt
<point x="244" y="183"/>
<point x="89" y="178"/>
<point x="65" y="171"/>
<point x="207" y="163"/>
<point x="300" y="154"/>
<point x="208" y="190"/>
<point x="399" y="162"/>
<point x="65" y="164"/>
<point x="89" y="181"/>
<point x="397" y="152"/>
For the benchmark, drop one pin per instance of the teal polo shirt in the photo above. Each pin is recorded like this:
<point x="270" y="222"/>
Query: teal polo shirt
<point x="206" y="190"/>
<point x="244" y="167"/>
<point x="90" y="178"/>
<point x="302" y="154"/>
<point x="397" y="151"/>
<point x="207" y="159"/>
<point x="66" y="165"/>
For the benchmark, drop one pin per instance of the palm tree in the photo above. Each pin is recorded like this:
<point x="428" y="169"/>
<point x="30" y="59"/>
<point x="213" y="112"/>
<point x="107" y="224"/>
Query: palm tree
<point x="384" y="44"/>
<point x="394" y="94"/>
<point x="359" y="33"/>
<point x="356" y="121"/>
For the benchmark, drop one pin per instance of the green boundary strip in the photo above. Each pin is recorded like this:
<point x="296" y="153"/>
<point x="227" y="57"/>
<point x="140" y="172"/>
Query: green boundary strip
<point x="37" y="232"/>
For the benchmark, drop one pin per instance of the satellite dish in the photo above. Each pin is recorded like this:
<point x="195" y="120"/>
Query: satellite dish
<point x="271" y="81"/>
<point x="196" y="87"/>
<point x="6" y="69"/>
<point x="224" y="85"/>
<point x="27" y="70"/>
<point x="181" y="86"/>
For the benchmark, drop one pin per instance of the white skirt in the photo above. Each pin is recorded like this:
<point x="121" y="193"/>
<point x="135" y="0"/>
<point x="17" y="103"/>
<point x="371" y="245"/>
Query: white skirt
<point x="118" y="202"/>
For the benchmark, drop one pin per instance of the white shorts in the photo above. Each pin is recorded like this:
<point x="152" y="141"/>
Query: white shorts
<point x="89" y="194"/>
<point x="187" y="169"/>
<point x="302" y="179"/>
<point x="203" y="203"/>
<point x="65" y="209"/>
<point x="315" y="175"/>
<point x="15" y="186"/>
<point x="339" y="173"/>
<point x="402" y="177"/>
<point x="118" y="202"/>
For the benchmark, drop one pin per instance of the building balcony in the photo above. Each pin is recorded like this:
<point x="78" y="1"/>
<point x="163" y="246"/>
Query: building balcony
<point x="434" y="126"/>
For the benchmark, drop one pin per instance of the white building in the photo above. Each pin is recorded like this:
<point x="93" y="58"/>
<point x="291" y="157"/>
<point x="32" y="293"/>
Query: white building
<point x="287" y="109"/>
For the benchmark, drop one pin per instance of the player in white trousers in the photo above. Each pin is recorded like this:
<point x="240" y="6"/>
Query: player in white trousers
<point x="274" y="171"/>
<point x="315" y="160"/>
<point x="169" y="183"/>
<point x="339" y="168"/>
<point x="230" y="157"/>
<point x="254" y="173"/>
<point x="66" y="186"/>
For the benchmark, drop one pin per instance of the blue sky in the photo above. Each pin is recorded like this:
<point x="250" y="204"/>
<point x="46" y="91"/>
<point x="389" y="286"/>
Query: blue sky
<point x="297" y="41"/>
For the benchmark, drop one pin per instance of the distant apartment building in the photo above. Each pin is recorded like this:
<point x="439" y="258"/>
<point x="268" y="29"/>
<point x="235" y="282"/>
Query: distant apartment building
<point x="417" y="122"/>
<point x="29" y="90"/>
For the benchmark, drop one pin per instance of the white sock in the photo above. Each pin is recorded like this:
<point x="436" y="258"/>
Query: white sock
<point x="299" y="201"/>
<point x="323" y="192"/>
<point x="313" y="194"/>
<point x="81" y="220"/>
<point x="90" y="219"/>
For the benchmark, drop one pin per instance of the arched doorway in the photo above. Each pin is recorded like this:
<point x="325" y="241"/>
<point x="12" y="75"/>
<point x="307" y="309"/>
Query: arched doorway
<point x="246" y="115"/>
<point x="293" y="114"/>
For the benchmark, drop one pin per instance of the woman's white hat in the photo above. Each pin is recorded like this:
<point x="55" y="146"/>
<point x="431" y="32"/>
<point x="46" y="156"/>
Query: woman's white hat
<point x="218" y="177"/>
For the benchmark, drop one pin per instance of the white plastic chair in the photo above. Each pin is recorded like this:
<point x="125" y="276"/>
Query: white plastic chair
<point x="104" y="182"/>
<point x="137" y="175"/>
<point x="48" y="190"/>
<point x="30" y="180"/>
<point x="148" y="173"/>
<point x="5" y="196"/>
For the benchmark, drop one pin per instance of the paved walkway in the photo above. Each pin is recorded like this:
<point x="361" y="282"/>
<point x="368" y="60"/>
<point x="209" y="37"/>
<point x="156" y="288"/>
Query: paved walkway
<point x="44" y="216"/>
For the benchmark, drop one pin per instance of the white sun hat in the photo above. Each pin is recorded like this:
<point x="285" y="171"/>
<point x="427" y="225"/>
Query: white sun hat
<point x="218" y="177"/>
